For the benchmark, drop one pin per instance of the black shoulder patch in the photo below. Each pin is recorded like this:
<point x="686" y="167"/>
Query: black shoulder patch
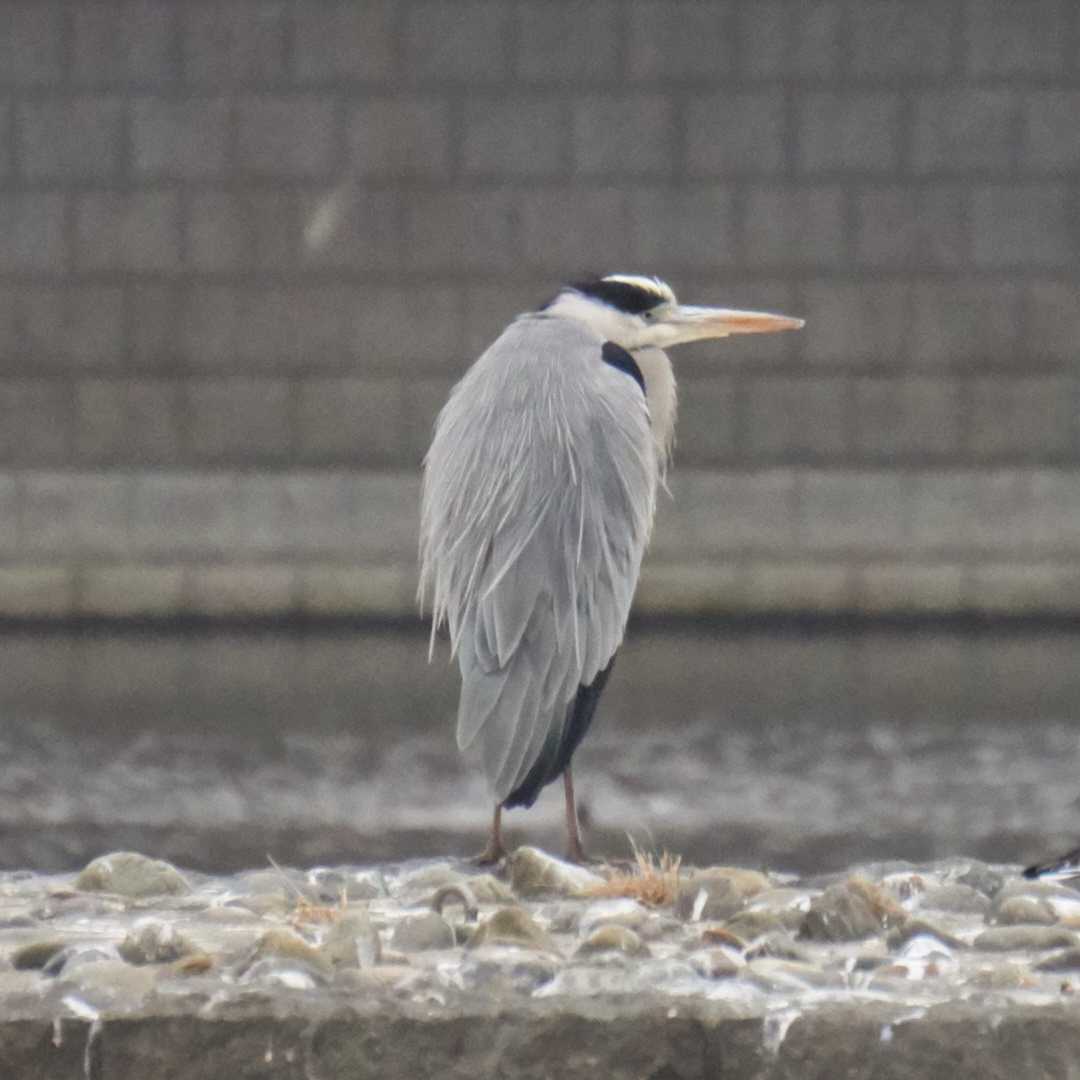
<point x="618" y="357"/>
<point x="622" y="295"/>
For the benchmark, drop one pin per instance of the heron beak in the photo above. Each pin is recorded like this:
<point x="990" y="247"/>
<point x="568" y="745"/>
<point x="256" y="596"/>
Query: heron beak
<point x="697" y="323"/>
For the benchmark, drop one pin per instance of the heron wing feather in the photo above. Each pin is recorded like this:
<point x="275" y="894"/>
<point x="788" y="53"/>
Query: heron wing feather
<point x="539" y="491"/>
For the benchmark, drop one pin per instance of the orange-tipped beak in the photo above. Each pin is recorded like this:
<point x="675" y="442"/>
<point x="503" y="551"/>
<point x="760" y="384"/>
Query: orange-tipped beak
<point x="697" y="323"/>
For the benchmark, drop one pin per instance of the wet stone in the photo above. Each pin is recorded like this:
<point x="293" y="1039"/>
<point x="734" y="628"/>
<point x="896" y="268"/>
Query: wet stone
<point x="1028" y="938"/>
<point x="716" y="963"/>
<point x="982" y="878"/>
<point x="334" y="886"/>
<point x="513" y="926"/>
<point x="535" y="873"/>
<point x="613" y="938"/>
<point x="508" y="969"/>
<point x="127" y="873"/>
<point x="153" y="941"/>
<point x="718" y="893"/>
<point x="900" y="936"/>
<point x="417" y="933"/>
<point x="281" y="945"/>
<point x="1024" y="910"/>
<point x="35" y="954"/>
<point x="850" y="911"/>
<point x="954" y="899"/>
<point x="1066" y="960"/>
<point x="752" y="924"/>
<point x="351" y="941"/>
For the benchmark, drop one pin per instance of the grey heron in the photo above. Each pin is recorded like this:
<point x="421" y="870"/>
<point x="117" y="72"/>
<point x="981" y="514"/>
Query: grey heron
<point x="538" y="497"/>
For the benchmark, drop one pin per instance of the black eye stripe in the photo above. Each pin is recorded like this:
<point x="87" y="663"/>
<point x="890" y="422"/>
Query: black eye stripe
<point x="618" y="357"/>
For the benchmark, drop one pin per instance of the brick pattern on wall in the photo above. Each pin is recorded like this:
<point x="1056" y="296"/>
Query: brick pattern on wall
<point x="247" y="246"/>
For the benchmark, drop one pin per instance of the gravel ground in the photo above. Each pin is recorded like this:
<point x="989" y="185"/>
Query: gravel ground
<point x="537" y="968"/>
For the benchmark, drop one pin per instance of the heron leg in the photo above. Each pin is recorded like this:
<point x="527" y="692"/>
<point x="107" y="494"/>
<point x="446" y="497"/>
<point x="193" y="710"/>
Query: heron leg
<point x="494" y="852"/>
<point x="574" y="851"/>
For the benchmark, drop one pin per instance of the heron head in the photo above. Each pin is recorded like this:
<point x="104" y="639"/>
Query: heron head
<point x="642" y="312"/>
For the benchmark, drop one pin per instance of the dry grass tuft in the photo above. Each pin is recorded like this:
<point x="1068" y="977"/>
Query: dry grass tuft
<point x="651" y="880"/>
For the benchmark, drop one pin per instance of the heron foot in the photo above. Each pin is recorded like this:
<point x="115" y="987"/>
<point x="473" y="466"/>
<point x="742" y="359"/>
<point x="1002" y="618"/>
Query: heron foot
<point x="490" y="856"/>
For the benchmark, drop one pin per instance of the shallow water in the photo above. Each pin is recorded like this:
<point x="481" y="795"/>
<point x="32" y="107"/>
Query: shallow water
<point x="801" y="746"/>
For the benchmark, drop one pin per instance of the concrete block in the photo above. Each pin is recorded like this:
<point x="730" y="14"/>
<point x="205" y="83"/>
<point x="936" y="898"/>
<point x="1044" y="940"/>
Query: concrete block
<point x="764" y="36"/>
<point x="9" y="513"/>
<point x="126" y="42"/>
<point x="341" y="589"/>
<point x="181" y="140"/>
<point x="74" y="514"/>
<point x="793" y="227"/>
<point x="464" y="40"/>
<point x="190" y="514"/>
<point x="1019" y="419"/>
<point x="139" y="230"/>
<point x="689" y="589"/>
<point x="1024" y="589"/>
<point x="1051" y="138"/>
<point x="726" y="513"/>
<point x="1006" y="39"/>
<point x="907" y="419"/>
<point x="708" y="416"/>
<point x="130" y="591"/>
<point x="350" y="39"/>
<point x="1025" y="225"/>
<point x="515" y="137"/>
<point x="247" y="229"/>
<point x="37" y="422"/>
<point x="892" y="38"/>
<point x="238" y="44"/>
<point x="31" y="46"/>
<point x="840" y="131"/>
<point x="693" y="227"/>
<point x="351" y="421"/>
<point x="679" y="39"/>
<point x="843" y="511"/>
<point x="32" y="591"/>
<point x="239" y="419"/>
<point x="1052" y="320"/>
<point x="575" y="233"/>
<point x="967" y="511"/>
<point x="1055" y="511"/>
<point x="460" y="230"/>
<point x="564" y="41"/>
<point x="75" y="139"/>
<point x="863" y="324"/>
<point x="399" y="137"/>
<point x="966" y="129"/>
<point x="7" y="111"/>
<point x="912" y="228"/>
<point x="384" y="519"/>
<point x="357" y="229"/>
<point x="911" y="588"/>
<point x="153" y="318"/>
<point x="958" y="322"/>
<point x="623" y="136"/>
<point x="799" y="587"/>
<point x="294" y="137"/>
<point x="421" y="326"/>
<point x="488" y="310"/>
<point x="265" y="516"/>
<point x="820" y="34"/>
<point x="732" y="134"/>
<point x="75" y="327"/>
<point x="240" y="590"/>
<point x="10" y="332"/>
<point x="329" y="514"/>
<point x="32" y="225"/>
<point x="796" y="420"/>
<point x="127" y="422"/>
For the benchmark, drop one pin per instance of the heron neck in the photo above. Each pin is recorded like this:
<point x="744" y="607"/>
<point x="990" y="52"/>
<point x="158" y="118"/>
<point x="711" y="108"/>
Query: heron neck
<point x="660" y="392"/>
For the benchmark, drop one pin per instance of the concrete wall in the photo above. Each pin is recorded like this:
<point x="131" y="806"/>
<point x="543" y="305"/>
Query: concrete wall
<point x="246" y="247"/>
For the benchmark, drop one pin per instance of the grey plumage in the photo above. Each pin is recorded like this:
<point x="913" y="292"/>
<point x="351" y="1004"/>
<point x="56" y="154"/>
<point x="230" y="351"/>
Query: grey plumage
<point x="534" y="567"/>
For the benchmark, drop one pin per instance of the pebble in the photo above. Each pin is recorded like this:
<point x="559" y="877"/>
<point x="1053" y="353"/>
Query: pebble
<point x="1031" y="938"/>
<point x="352" y="942"/>
<point x="1066" y="960"/>
<point x="718" y="893"/>
<point x="127" y="873"/>
<point x="513" y="926"/>
<point x="613" y="938"/>
<point x="153" y="941"/>
<point x="1021" y="910"/>
<point x="416" y="933"/>
<point x="849" y="911"/>
<point x="955" y="899"/>
<point x="535" y="873"/>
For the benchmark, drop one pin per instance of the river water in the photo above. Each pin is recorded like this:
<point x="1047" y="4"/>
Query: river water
<point x="799" y="746"/>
